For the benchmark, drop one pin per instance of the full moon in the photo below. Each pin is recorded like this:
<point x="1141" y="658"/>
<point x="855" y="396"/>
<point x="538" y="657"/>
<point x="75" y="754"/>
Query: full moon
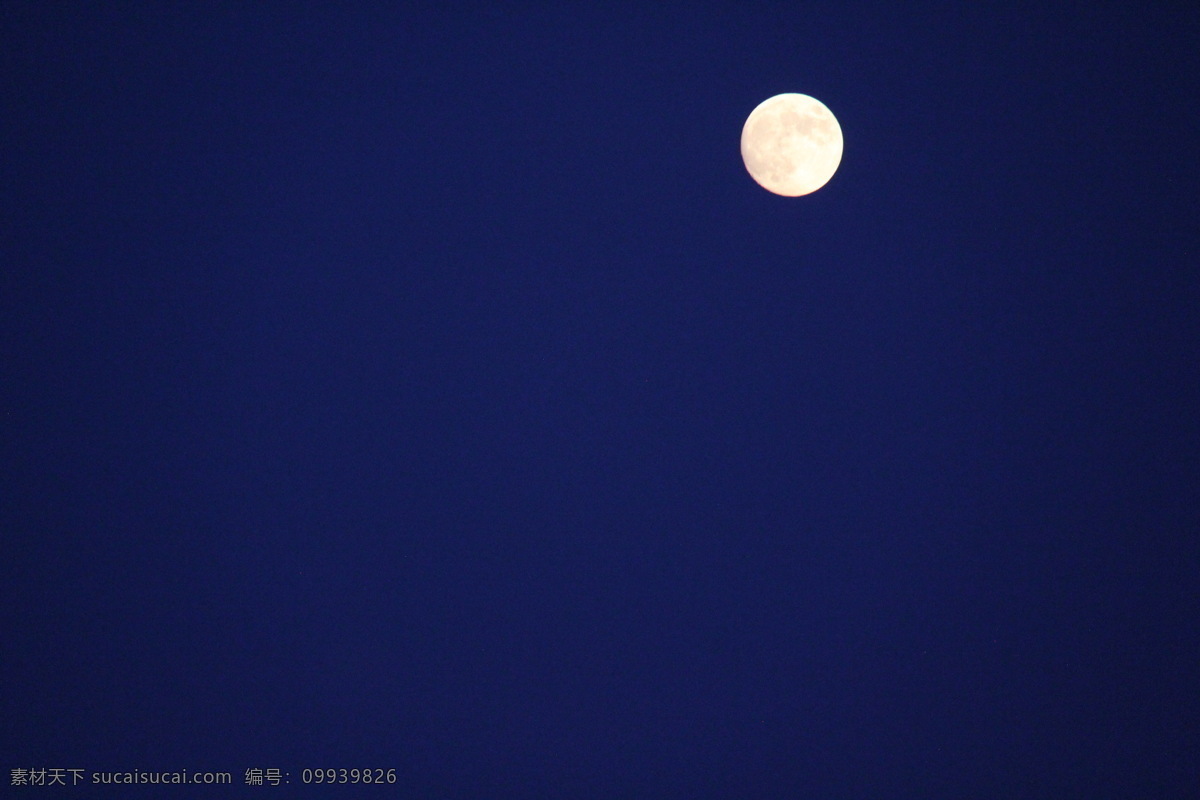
<point x="791" y="144"/>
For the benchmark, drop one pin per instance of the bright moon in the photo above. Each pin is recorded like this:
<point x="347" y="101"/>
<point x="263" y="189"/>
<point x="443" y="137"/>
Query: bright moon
<point x="791" y="144"/>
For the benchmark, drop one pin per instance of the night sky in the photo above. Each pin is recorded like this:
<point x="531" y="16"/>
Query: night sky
<point x="428" y="387"/>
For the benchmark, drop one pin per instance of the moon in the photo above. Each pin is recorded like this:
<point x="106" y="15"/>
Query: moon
<point x="791" y="144"/>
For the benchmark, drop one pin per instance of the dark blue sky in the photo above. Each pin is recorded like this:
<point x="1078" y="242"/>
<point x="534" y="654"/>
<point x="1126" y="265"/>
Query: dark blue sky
<point x="430" y="388"/>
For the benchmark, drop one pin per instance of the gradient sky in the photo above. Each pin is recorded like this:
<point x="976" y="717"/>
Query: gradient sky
<point x="428" y="387"/>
